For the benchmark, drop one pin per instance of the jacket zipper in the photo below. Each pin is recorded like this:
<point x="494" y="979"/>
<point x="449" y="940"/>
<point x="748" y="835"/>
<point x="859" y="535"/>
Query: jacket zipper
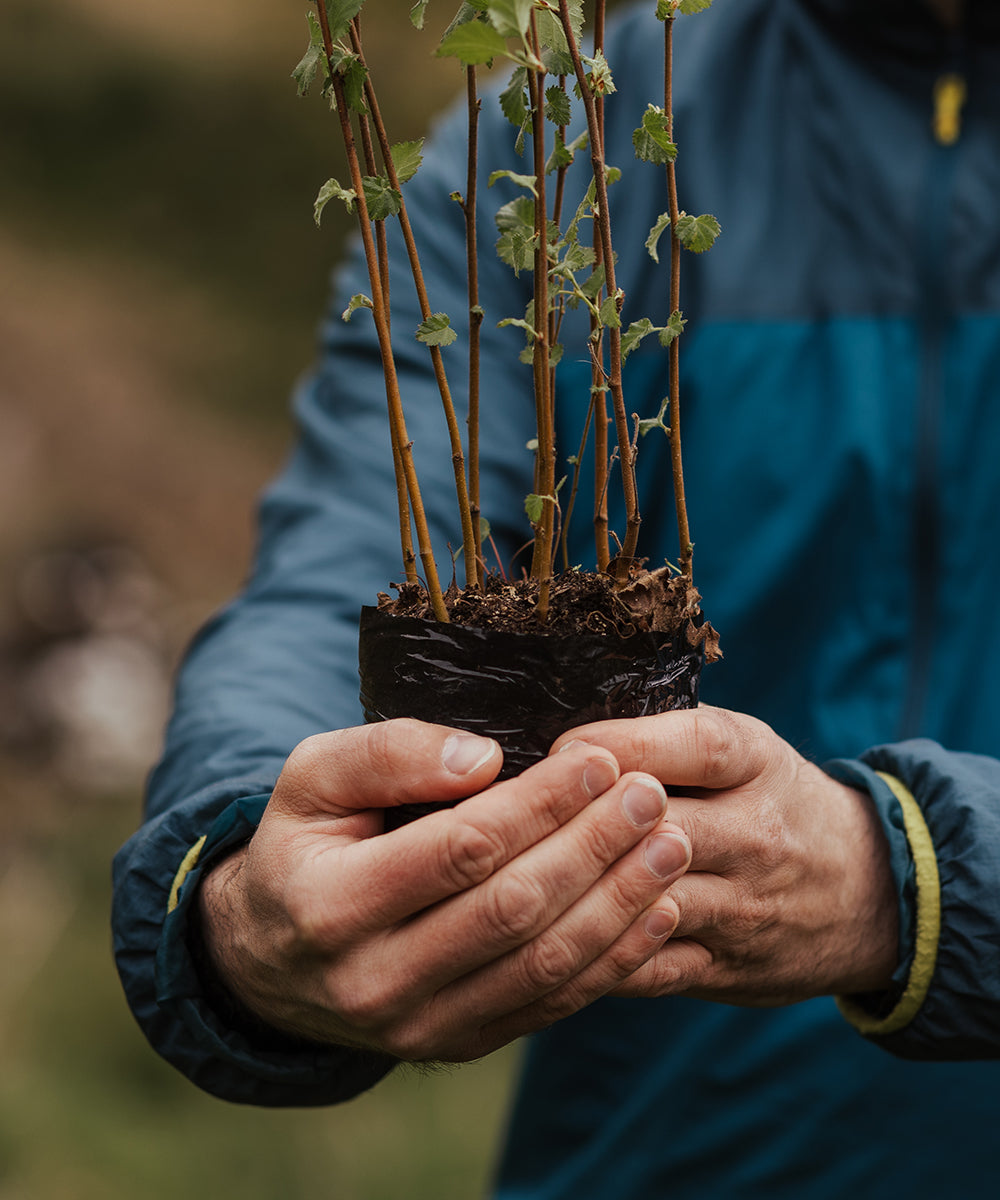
<point x="935" y="312"/>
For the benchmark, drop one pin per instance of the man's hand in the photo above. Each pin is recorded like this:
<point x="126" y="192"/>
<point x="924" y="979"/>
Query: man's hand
<point x="789" y="894"/>
<point x="453" y="935"/>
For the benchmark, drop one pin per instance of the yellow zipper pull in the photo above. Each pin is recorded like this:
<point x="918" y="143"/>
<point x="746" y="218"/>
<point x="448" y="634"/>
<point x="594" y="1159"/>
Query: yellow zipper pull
<point x="949" y="98"/>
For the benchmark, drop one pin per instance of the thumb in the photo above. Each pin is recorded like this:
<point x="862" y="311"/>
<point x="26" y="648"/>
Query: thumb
<point x="390" y="763"/>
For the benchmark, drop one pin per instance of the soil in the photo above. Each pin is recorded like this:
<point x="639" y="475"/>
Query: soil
<point x="580" y="602"/>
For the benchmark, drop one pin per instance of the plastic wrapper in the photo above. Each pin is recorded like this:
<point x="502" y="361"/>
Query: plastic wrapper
<point x="523" y="689"/>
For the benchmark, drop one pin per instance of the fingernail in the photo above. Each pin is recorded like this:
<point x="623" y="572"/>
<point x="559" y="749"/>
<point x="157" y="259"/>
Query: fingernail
<point x="570" y="744"/>
<point x="644" y="801"/>
<point x="464" y="753"/>
<point x="598" y="775"/>
<point x="658" y="924"/>
<point x="666" y="854"/>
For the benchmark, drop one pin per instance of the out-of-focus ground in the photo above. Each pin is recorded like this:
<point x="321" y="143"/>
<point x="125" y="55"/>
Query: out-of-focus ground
<point x="160" y="282"/>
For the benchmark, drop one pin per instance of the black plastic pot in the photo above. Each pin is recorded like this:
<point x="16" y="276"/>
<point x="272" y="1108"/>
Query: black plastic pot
<point x="524" y="689"/>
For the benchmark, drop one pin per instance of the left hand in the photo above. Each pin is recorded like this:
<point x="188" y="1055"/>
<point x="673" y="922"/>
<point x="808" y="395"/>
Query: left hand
<point x="789" y="894"/>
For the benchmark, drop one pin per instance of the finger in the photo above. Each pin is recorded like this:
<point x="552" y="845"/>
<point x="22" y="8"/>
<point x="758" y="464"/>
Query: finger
<point x="678" y="966"/>
<point x="452" y="851"/>
<point x="625" y="954"/>
<point x="703" y="747"/>
<point x="376" y="766"/>
<point x="725" y="835"/>
<point x="534" y="899"/>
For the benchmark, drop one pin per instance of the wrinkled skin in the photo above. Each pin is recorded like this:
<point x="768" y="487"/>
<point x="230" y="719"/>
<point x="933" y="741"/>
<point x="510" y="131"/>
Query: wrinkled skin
<point x="452" y="936"/>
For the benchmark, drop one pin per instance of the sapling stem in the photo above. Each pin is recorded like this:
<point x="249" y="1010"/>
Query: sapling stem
<point x="598" y="394"/>
<point x="475" y="316"/>
<point x="686" y="549"/>
<point x="470" y="550"/>
<point x="541" y="563"/>
<point x="397" y="424"/>
<point x="603" y="217"/>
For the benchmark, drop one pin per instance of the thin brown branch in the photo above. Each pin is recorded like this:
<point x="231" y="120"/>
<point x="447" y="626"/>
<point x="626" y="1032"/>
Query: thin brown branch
<point x="470" y="552"/>
<point x="603" y="218"/>
<point x="397" y="424"/>
<point x="541" y="563"/>
<point x="475" y="316"/>
<point x="686" y="548"/>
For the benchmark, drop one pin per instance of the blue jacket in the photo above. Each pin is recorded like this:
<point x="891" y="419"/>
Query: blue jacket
<point x="842" y="372"/>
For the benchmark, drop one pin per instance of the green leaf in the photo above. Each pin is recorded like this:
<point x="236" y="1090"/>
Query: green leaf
<point x="653" y="241"/>
<point x="381" y="199"/>
<point x="417" y="14"/>
<point x="656" y="422"/>
<point x="354" y="77"/>
<point x="697" y="233"/>
<point x="693" y="6"/>
<point x="472" y="43"/>
<point x="517" y="216"/>
<point x="514" y="101"/>
<point x="598" y="76"/>
<point x="577" y="257"/>
<point x="552" y="37"/>
<point x="525" y="181"/>
<point x="673" y="328"/>
<point x="665" y="10"/>
<point x="608" y="315"/>
<point x="634" y="335"/>
<point x="467" y="12"/>
<point x="510" y="18"/>
<point x="305" y="72"/>
<point x="560" y="156"/>
<point x="558" y="108"/>
<point x="340" y="13"/>
<point x="406" y="158"/>
<point x="534" y="506"/>
<point x="358" y="301"/>
<point x="518" y="323"/>
<point x="436" y="331"/>
<point x="332" y="190"/>
<point x="592" y="287"/>
<point x="516" y="251"/>
<point x="651" y="140"/>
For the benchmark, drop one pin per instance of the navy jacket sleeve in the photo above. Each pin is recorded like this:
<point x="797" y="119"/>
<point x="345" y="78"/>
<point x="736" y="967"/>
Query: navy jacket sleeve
<point x="279" y="664"/>
<point x="941" y="813"/>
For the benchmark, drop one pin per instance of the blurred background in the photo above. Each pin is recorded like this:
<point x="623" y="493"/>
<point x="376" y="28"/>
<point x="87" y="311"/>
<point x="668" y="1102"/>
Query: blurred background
<point x="161" y="279"/>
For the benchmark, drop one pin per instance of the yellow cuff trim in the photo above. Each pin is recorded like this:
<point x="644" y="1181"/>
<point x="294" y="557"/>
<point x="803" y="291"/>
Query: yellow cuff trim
<point x="183" y="871"/>
<point x="928" y="924"/>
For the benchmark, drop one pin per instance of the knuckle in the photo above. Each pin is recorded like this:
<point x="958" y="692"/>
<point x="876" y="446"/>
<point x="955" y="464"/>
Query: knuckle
<point x="514" y="911"/>
<point x="309" y="921"/>
<point x="732" y="745"/>
<point x="382" y="744"/>
<point x="366" y="1004"/>
<point x="752" y="916"/>
<point x="714" y="737"/>
<point x="469" y="855"/>
<point x="549" y="962"/>
<point x="306" y="761"/>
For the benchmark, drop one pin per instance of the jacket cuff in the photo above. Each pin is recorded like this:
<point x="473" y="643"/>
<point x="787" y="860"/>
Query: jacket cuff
<point x="915" y="869"/>
<point x="244" y="1062"/>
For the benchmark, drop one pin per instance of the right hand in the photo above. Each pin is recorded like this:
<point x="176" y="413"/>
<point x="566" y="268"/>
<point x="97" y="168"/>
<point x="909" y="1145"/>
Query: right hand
<point x="453" y="935"/>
